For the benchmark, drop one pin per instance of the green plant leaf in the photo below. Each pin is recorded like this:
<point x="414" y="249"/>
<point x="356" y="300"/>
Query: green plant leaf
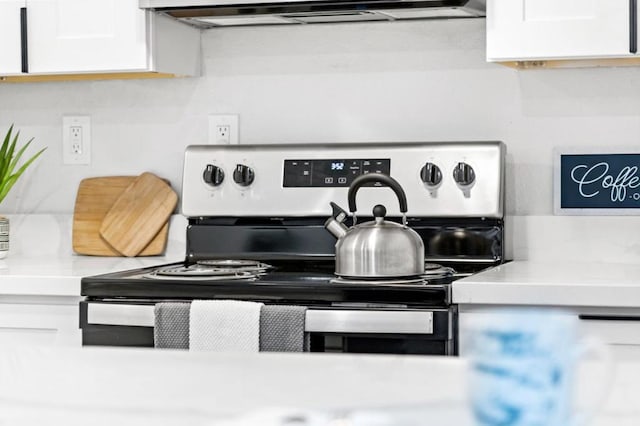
<point x="9" y="159"/>
<point x="15" y="160"/>
<point x="3" y="151"/>
<point x="8" y="183"/>
<point x="8" y="167"/>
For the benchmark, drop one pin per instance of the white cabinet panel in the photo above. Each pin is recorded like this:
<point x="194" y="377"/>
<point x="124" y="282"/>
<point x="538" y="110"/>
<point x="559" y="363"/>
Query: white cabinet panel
<point x="10" y="337"/>
<point x="103" y="38"/>
<point x="622" y="336"/>
<point x="619" y="330"/>
<point x="33" y="322"/>
<point x="625" y="352"/>
<point x="86" y="36"/>
<point x="10" y="52"/>
<point x="613" y="331"/>
<point x="557" y="29"/>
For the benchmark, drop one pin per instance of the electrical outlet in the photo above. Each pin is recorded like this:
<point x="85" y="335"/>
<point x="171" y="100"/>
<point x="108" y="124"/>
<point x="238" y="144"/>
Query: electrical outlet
<point x="76" y="140"/>
<point x="222" y="134"/>
<point x="223" y="129"/>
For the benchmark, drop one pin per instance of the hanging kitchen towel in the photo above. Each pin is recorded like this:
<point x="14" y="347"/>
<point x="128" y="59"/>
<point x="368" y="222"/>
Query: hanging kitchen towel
<point x="282" y="328"/>
<point x="171" y="325"/>
<point x="224" y="326"/>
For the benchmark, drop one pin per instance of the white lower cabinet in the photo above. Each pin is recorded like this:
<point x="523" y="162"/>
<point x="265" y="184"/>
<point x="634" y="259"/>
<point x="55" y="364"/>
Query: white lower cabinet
<point x="620" y="332"/>
<point x="619" y="328"/>
<point x="39" y="321"/>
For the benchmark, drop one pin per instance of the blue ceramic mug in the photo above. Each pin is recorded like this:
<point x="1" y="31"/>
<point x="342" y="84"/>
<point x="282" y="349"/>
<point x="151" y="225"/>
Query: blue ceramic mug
<point x="522" y="367"/>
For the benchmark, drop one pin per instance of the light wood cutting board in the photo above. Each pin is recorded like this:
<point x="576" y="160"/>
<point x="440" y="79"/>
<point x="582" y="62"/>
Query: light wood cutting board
<point x="138" y="214"/>
<point x="94" y="199"/>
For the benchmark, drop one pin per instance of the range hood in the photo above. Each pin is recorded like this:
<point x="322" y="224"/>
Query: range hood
<point x="217" y="13"/>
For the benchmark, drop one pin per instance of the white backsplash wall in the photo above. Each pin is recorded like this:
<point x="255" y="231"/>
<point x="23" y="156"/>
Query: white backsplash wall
<point x="399" y="81"/>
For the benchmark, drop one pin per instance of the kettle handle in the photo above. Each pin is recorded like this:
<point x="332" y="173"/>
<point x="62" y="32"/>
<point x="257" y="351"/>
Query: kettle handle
<point x="376" y="177"/>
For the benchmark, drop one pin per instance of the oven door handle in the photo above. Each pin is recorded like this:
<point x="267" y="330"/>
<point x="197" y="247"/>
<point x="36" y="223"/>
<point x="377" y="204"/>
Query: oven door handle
<point x="368" y="321"/>
<point x="317" y="320"/>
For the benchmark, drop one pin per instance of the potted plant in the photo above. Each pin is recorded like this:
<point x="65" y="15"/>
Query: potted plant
<point x="9" y="174"/>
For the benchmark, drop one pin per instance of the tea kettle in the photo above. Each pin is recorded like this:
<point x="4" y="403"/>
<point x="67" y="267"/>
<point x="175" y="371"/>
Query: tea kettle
<point x="376" y="249"/>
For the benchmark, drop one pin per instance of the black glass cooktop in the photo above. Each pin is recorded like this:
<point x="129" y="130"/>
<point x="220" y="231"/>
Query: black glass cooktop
<point x="303" y="282"/>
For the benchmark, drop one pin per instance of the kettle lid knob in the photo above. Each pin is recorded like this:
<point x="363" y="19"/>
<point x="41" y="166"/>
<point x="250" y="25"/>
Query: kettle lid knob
<point x="379" y="211"/>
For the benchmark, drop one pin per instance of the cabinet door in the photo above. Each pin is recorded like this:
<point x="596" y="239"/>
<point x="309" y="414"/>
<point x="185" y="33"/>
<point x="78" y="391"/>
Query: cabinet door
<point x="620" y="332"/>
<point x="86" y="36"/>
<point x="33" y="323"/>
<point x="10" y="51"/>
<point x="558" y="29"/>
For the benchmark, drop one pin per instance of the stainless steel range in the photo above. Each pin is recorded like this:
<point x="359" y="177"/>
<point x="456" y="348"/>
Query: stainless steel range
<point x="257" y="216"/>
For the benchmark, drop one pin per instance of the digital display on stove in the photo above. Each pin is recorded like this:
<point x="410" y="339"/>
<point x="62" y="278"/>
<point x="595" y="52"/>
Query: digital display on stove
<point x="330" y="173"/>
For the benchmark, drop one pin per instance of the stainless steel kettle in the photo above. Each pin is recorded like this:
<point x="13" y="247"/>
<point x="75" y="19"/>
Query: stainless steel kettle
<point x="380" y="248"/>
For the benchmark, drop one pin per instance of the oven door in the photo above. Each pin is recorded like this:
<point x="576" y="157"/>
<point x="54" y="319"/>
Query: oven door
<point x="345" y="329"/>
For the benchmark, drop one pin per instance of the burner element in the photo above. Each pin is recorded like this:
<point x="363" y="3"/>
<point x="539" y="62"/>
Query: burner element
<point x="198" y="271"/>
<point x="212" y="270"/>
<point x="436" y="271"/>
<point x="233" y="265"/>
<point x="162" y="275"/>
<point x="431" y="266"/>
<point x="390" y="281"/>
<point x="230" y="263"/>
<point x="433" y="272"/>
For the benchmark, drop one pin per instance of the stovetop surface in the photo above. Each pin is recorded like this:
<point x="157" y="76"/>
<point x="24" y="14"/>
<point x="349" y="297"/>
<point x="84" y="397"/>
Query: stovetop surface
<point x="308" y="283"/>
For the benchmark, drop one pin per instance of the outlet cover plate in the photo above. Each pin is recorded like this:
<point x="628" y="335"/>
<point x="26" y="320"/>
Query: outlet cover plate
<point x="230" y="120"/>
<point x="71" y="152"/>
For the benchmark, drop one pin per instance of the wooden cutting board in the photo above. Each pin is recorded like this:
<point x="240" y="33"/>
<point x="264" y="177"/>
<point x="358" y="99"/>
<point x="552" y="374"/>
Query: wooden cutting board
<point x="94" y="199"/>
<point x="138" y="214"/>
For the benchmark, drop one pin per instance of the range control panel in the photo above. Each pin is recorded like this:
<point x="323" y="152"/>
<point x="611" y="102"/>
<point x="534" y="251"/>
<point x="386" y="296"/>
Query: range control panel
<point x="323" y="173"/>
<point x="440" y="179"/>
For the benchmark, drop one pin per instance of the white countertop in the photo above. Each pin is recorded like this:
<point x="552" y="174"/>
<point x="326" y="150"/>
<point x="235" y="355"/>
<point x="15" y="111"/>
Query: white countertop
<point x="78" y="386"/>
<point x="553" y="283"/>
<point x="517" y="283"/>
<point x="41" y="261"/>
<point x="164" y="387"/>
<point x="61" y="275"/>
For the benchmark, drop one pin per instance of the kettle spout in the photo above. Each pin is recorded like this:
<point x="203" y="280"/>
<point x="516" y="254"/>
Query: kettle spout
<point x="334" y="224"/>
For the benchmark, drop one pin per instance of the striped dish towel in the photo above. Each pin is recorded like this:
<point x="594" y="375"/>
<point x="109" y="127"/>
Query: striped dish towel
<point x="171" y="325"/>
<point x="224" y="326"/>
<point x="282" y="328"/>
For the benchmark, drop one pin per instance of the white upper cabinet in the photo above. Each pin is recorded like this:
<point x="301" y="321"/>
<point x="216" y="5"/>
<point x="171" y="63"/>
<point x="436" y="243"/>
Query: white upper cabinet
<point x="10" y="47"/>
<point x="86" y="35"/>
<point x="560" y="29"/>
<point x="93" y="36"/>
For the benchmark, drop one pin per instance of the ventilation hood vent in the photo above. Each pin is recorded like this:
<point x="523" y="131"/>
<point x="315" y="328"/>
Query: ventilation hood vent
<point x="217" y="13"/>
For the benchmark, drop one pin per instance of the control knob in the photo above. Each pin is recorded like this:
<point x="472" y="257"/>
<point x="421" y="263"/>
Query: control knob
<point x="213" y="175"/>
<point x="464" y="174"/>
<point x="431" y="174"/>
<point x="243" y="175"/>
